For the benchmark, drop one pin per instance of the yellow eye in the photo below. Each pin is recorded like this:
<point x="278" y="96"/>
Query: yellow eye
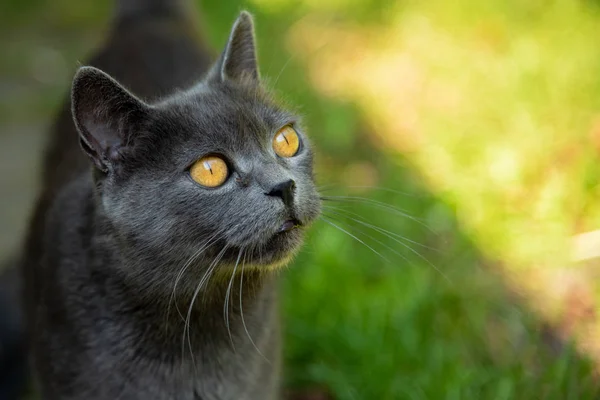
<point x="286" y="142"/>
<point x="209" y="171"/>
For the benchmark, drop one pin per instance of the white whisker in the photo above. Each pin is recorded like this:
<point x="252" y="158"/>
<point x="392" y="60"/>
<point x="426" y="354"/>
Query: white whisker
<point x="242" y="312"/>
<point x="204" y="279"/>
<point x="388" y="234"/>
<point x="379" y="188"/>
<point x="182" y="272"/>
<point x="354" y="237"/>
<point x="226" y="305"/>
<point x="378" y="204"/>
<point x="282" y="69"/>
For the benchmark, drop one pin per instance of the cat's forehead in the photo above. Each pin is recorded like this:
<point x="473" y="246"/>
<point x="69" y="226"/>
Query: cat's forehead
<point x="225" y="118"/>
<point x="226" y="106"/>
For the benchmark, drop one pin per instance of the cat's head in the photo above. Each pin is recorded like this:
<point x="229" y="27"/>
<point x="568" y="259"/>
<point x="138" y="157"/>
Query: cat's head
<point x="219" y="171"/>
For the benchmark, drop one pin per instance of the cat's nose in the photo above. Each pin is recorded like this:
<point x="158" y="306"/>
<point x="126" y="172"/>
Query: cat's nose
<point x="285" y="191"/>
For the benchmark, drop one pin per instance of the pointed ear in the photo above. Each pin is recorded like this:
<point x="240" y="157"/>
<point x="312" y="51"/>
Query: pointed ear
<point x="104" y="113"/>
<point x="238" y="61"/>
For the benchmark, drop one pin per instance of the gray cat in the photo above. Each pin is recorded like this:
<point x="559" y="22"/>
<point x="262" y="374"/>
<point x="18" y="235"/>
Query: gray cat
<point x="149" y="262"/>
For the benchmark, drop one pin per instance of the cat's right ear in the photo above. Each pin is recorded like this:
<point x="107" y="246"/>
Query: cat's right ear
<point x="104" y="113"/>
<point x="238" y="62"/>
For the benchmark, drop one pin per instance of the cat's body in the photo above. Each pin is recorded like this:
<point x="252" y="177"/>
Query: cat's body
<point x="140" y="283"/>
<point x="94" y="338"/>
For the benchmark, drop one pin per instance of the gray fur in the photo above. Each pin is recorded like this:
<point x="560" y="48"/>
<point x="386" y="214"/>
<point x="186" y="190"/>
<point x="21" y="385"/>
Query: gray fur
<point x="13" y="363"/>
<point x="143" y="8"/>
<point x="106" y="247"/>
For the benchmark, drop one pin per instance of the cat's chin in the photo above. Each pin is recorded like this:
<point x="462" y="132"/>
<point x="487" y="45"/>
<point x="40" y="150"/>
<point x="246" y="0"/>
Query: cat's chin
<point x="275" y="253"/>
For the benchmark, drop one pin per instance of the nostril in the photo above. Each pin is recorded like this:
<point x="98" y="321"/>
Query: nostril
<point x="275" y="193"/>
<point x="284" y="190"/>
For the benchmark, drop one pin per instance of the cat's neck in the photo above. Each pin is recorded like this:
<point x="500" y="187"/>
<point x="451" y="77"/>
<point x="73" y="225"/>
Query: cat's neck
<point x="215" y="313"/>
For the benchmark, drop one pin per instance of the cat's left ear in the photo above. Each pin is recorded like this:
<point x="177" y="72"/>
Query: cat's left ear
<point x="106" y="116"/>
<point x="238" y="62"/>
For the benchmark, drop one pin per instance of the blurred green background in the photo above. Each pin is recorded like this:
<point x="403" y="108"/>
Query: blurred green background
<point x="463" y="138"/>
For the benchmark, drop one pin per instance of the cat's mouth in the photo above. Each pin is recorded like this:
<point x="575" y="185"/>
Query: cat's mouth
<point x="275" y="249"/>
<point x="288" y="225"/>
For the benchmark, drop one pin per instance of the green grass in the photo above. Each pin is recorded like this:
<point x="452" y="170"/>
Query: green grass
<point x="439" y="324"/>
